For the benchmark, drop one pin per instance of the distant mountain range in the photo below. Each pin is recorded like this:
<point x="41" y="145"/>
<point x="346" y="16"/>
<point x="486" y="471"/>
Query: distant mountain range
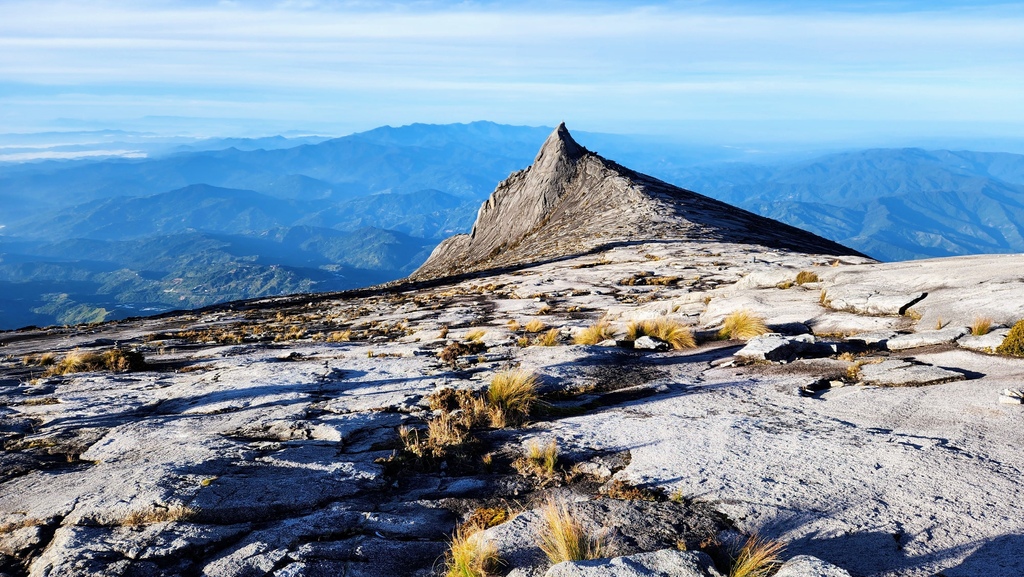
<point x="86" y="240"/>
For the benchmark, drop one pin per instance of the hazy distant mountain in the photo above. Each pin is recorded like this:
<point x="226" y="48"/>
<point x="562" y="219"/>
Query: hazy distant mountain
<point x="894" y="204"/>
<point x="89" y="239"/>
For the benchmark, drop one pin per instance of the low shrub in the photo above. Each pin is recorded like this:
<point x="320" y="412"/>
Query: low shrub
<point x="806" y="276"/>
<point x="1013" y="344"/>
<point x="742" y="325"/>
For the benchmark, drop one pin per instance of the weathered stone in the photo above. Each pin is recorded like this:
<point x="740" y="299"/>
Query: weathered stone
<point x="1012" y="397"/>
<point x="776" y="347"/>
<point x="807" y="566"/>
<point x="663" y="563"/>
<point x="647" y="343"/>
<point x="926" y="338"/>
<point x="985" y="343"/>
<point x="872" y="338"/>
<point x="897" y="373"/>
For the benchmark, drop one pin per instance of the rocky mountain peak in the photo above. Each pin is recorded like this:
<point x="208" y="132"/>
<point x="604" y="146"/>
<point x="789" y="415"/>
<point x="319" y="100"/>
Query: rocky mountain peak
<point x="571" y="201"/>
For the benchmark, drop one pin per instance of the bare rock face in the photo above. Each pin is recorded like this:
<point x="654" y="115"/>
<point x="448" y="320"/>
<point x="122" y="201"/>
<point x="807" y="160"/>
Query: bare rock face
<point x="572" y="201"/>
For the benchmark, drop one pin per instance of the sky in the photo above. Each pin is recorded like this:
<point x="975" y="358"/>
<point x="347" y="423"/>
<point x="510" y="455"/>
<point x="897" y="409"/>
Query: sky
<point x="715" y="71"/>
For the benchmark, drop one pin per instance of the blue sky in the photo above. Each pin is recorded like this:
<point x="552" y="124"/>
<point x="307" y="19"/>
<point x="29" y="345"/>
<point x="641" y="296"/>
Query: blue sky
<point x="700" y="70"/>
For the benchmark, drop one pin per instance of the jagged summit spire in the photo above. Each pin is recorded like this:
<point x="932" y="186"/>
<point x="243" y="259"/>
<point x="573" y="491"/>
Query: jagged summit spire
<point x="559" y="145"/>
<point x="571" y="201"/>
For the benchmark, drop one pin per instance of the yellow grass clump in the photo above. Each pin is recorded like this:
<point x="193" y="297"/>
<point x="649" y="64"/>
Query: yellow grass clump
<point x="1013" y="344"/>
<point x="595" y="333"/>
<point x="757" y="558"/>
<point x="511" y="396"/>
<point x="549" y="338"/>
<point x="542" y="458"/>
<point x="471" y="554"/>
<point x="535" y="326"/>
<point x="475" y="335"/>
<point x="564" y="538"/>
<point x="742" y="325"/>
<point x="981" y="326"/>
<point x="114" y="360"/>
<point x="676" y="334"/>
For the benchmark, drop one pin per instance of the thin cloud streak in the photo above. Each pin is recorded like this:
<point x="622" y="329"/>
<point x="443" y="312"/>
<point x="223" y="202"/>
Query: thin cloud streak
<point x="528" y="64"/>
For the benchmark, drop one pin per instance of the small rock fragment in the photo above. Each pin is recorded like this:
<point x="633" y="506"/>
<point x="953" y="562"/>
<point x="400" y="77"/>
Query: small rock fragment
<point x="648" y="343"/>
<point x="1012" y="397"/>
<point x="807" y="566"/>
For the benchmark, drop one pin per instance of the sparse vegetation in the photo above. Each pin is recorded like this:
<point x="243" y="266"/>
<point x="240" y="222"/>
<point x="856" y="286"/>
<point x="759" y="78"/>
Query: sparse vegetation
<point x="806" y="276"/>
<point x="939" y="324"/>
<point x="912" y="314"/>
<point x="676" y="334"/>
<point x="159" y="514"/>
<point x="451" y="353"/>
<point x="981" y="326"/>
<point x="742" y="325"/>
<point x="619" y="489"/>
<point x="339" y="337"/>
<point x="757" y="558"/>
<point x="785" y="284"/>
<point x="541" y="459"/>
<point x="486" y="517"/>
<point x="564" y="538"/>
<point x="596" y="333"/>
<point x="549" y="338"/>
<point x="511" y="396"/>
<point x="114" y="360"/>
<point x="1013" y="344"/>
<point x="471" y="554"/>
<point x="476" y="335"/>
<point x="514" y="326"/>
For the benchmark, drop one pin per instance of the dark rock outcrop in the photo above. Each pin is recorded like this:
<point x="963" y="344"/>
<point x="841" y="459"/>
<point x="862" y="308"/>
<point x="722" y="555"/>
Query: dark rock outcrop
<point x="572" y="201"/>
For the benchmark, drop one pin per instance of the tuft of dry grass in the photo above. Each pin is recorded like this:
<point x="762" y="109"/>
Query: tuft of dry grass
<point x="981" y="326"/>
<point x="757" y="558"/>
<point x="805" y="276"/>
<point x="676" y="334"/>
<point x="595" y="333"/>
<point x="443" y="333"/>
<point x="544" y="310"/>
<point x="511" y="396"/>
<point x="549" y="338"/>
<point x="159" y="514"/>
<point x="564" y="538"/>
<point x="475" y="335"/>
<point x="542" y="459"/>
<point x="471" y="554"/>
<point x="114" y="360"/>
<point x="514" y="326"/>
<point x="742" y="325"/>
<point x="535" y="326"/>
<point x="339" y="337"/>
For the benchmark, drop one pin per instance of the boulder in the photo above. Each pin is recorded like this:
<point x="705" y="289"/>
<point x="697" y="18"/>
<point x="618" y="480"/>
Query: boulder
<point x="985" y="343"/>
<point x="664" y="563"/>
<point x="807" y="566"/>
<point x="926" y="338"/>
<point x="776" y="347"/>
